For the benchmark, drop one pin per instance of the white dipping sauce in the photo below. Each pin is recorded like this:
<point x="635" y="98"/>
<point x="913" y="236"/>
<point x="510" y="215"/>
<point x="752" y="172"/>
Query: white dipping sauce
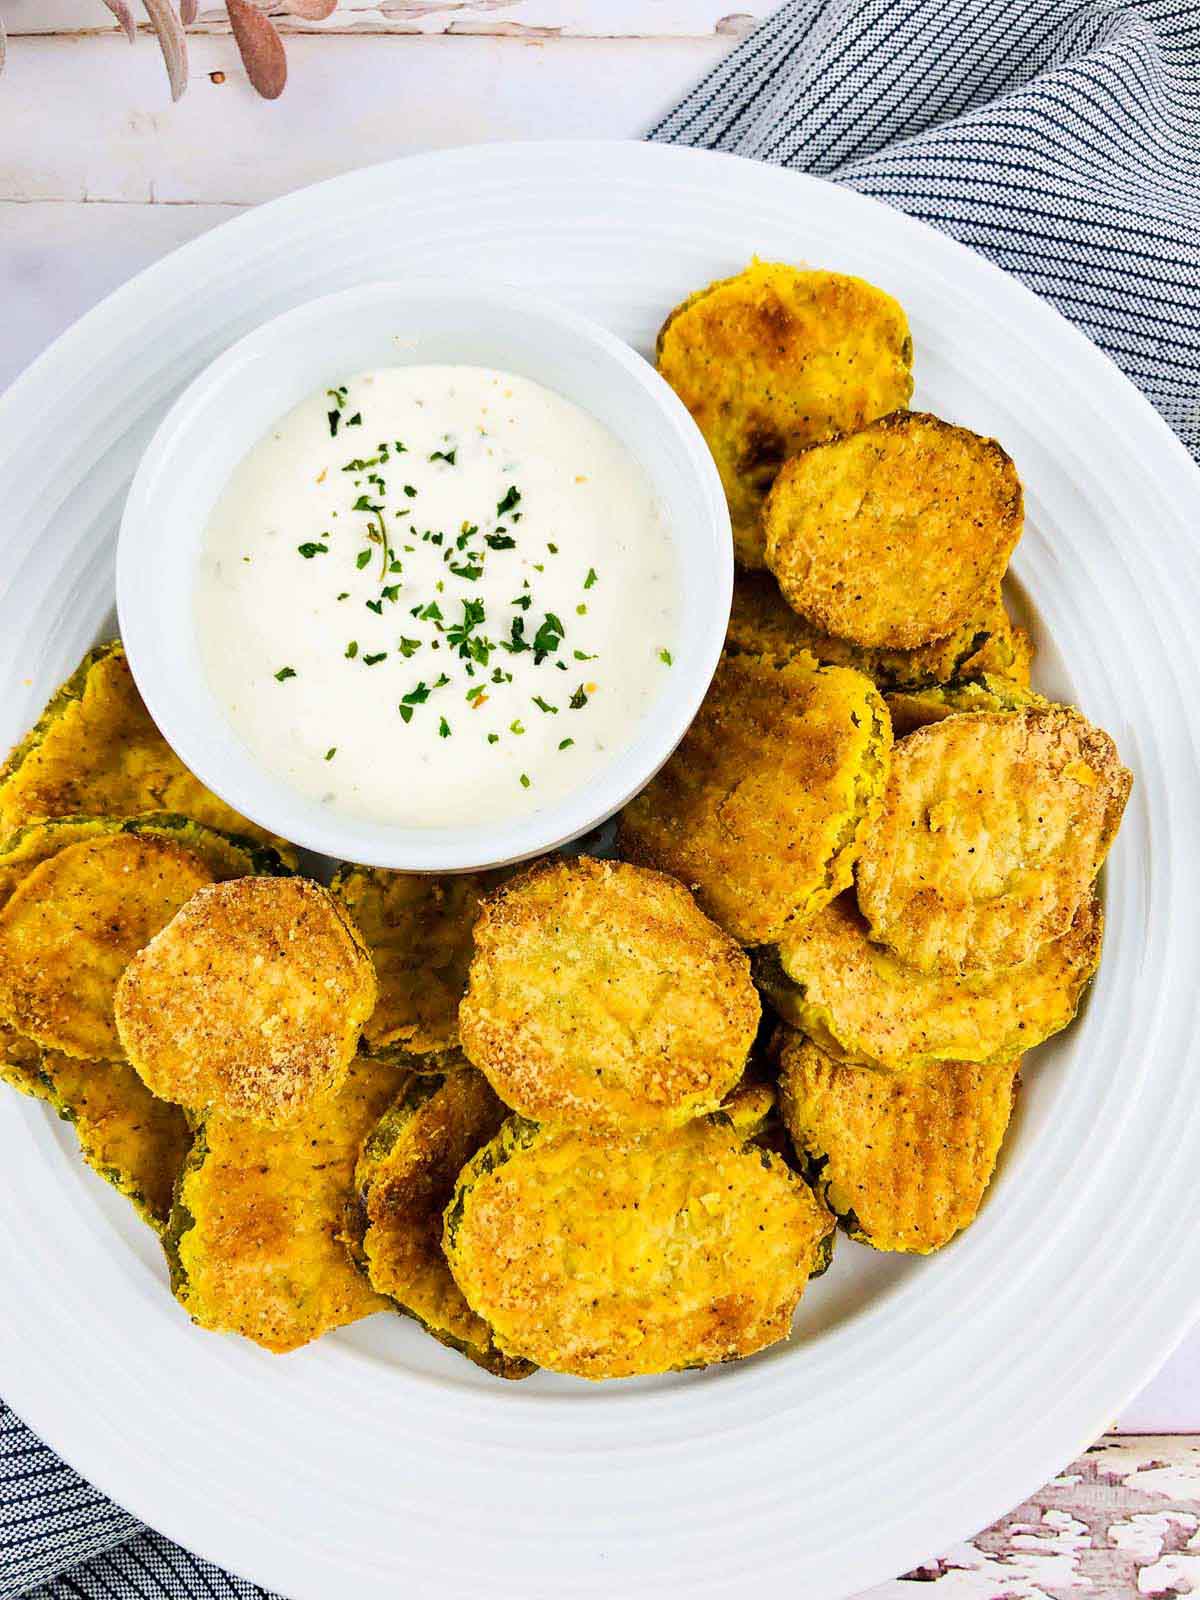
<point x="437" y="595"/>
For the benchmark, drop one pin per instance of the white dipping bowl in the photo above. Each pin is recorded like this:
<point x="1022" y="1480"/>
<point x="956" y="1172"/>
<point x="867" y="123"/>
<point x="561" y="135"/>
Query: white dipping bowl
<point x="229" y="407"/>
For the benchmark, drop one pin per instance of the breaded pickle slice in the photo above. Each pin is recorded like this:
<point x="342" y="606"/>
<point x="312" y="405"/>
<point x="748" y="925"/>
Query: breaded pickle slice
<point x="21" y="1064"/>
<point x="95" y="751"/>
<point x="418" y="928"/>
<point x="917" y="708"/>
<point x="606" y="1260"/>
<point x="80" y="897"/>
<point x="775" y="358"/>
<point x="249" y="1002"/>
<point x="861" y="1003"/>
<point x="993" y="827"/>
<point x="762" y="623"/>
<point x="403" y="1183"/>
<point x="601" y="996"/>
<point x="894" y="535"/>
<point x="135" y="1141"/>
<point x="903" y="1160"/>
<point x="762" y="808"/>
<point x="254" y="1241"/>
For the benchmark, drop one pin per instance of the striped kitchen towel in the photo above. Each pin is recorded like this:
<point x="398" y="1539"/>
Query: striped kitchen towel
<point x="1061" y="138"/>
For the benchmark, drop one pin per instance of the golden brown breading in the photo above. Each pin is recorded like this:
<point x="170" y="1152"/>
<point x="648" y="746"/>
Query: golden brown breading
<point x="861" y="1003"/>
<point x="993" y="827"/>
<point x="903" y="1160"/>
<point x="250" y="1001"/>
<point x="762" y="808"/>
<point x="774" y="359"/>
<point x="762" y="623"/>
<point x="418" y="929"/>
<point x="254" y="1241"/>
<point x="916" y="708"/>
<point x="21" y="1063"/>
<point x="895" y="535"/>
<point x="95" y="751"/>
<point x="71" y="926"/>
<point x="403" y="1183"/>
<point x="133" y="1140"/>
<point x="608" y="1260"/>
<point x="601" y="996"/>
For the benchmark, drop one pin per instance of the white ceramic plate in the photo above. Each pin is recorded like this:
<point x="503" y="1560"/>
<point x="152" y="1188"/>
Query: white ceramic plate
<point x="918" y="1400"/>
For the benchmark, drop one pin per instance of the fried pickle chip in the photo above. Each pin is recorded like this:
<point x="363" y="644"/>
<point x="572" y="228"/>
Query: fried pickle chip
<point x="418" y="928"/>
<point x="21" y="1064"/>
<point x="917" y="708"/>
<point x="762" y="808"/>
<point x="601" y="996"/>
<point x="249" y="1002"/>
<point x="605" y="1260"/>
<point x="903" y="1160"/>
<point x="993" y="827"/>
<point x="135" y="1141"/>
<point x="895" y="535"/>
<point x="403" y="1183"/>
<point x="862" y="1004"/>
<point x="774" y="359"/>
<point x="95" y="751"/>
<point x="762" y="623"/>
<point x="254" y="1240"/>
<point x="80" y="897"/>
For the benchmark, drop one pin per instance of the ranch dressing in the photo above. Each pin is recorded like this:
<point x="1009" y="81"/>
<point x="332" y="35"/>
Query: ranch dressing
<point x="437" y="595"/>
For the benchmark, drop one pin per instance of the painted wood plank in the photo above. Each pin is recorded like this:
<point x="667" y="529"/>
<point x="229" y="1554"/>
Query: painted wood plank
<point x="351" y="100"/>
<point x="542" y="18"/>
<point x="57" y="261"/>
<point x="1122" y="1521"/>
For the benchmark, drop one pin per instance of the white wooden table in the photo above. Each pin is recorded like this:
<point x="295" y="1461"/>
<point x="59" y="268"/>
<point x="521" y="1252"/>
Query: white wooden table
<point x="100" y="175"/>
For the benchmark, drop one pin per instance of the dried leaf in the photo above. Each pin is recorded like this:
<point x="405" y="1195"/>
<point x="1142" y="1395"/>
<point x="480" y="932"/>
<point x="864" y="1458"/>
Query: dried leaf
<point x="124" y="16"/>
<point x="261" y="48"/>
<point x="309" y="10"/>
<point x="171" y="38"/>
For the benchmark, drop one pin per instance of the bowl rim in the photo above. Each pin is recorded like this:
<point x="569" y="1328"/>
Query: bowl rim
<point x="190" y="717"/>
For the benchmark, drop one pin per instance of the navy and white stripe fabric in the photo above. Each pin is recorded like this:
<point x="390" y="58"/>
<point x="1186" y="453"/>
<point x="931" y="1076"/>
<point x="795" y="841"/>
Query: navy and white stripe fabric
<point x="1061" y="138"/>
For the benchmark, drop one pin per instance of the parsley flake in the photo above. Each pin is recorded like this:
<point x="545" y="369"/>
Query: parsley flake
<point x="308" y="549"/>
<point x="284" y="673"/>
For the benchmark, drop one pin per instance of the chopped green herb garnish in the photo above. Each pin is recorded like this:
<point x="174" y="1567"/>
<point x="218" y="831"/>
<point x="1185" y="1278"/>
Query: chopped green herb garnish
<point x="352" y="649"/>
<point x="409" y="490"/>
<point x="376" y="606"/>
<point x="581" y="611"/>
<point x="370" y="661"/>
<point x="565" y="744"/>
<point x="472" y="573"/>
<point x="522" y="600"/>
<point x="442" y="682"/>
<point x="499" y="541"/>
<point x="510" y="500"/>
<point x="583" y="655"/>
<point x="331" y="752"/>
<point x="579" y="699"/>
<point x="345" y="595"/>
<point x="547" y="639"/>
<point x="284" y="673"/>
<point x="417" y="696"/>
<point x="391" y="591"/>
<point x="592" y="577"/>
<point x="665" y="657"/>
<point x="308" y="549"/>
<point x="516" y="726"/>
<point x="525" y="780"/>
<point x="445" y="455"/>
<point x="443" y="729"/>
<point x="409" y="647"/>
<point x="544" y="705"/>
<point x="361" y="559"/>
<point x="406" y="713"/>
<point x="553" y="549"/>
<point x="355" y="421"/>
<point x="493" y="738"/>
